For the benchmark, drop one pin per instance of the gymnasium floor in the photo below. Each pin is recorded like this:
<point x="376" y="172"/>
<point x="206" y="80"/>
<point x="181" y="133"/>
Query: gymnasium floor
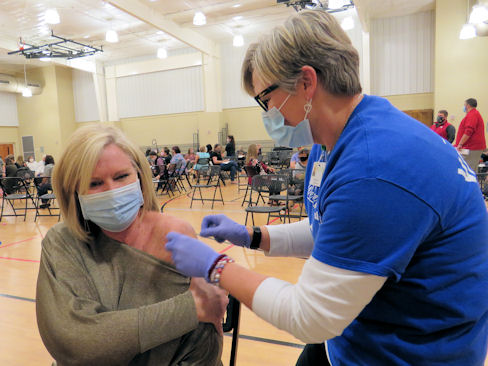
<point x="20" y="248"/>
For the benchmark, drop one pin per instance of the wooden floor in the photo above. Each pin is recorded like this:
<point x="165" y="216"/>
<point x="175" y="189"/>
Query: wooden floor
<point x="20" y="343"/>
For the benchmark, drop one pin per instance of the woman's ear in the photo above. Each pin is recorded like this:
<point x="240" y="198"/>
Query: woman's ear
<point x="309" y="81"/>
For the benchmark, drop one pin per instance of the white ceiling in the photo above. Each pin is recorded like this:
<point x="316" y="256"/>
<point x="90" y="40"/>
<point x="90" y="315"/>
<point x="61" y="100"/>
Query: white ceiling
<point x="87" y="21"/>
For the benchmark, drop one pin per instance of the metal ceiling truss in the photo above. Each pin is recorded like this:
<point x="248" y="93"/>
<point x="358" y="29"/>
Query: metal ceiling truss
<point x="315" y="4"/>
<point x="60" y="48"/>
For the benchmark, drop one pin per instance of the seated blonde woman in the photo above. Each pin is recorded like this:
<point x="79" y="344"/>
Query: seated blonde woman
<point x="107" y="293"/>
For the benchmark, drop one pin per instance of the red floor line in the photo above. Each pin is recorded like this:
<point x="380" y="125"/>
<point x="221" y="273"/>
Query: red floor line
<point x="20" y="259"/>
<point x="276" y="218"/>
<point x="226" y="249"/>
<point x="18" y="242"/>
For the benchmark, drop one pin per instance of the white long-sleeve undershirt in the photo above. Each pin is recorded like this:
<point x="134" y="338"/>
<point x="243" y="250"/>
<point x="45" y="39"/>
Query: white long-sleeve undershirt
<point x="321" y="305"/>
<point x="290" y="240"/>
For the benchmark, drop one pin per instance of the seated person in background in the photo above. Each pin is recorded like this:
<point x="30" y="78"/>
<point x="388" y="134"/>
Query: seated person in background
<point x="10" y="166"/>
<point x="40" y="166"/>
<point x="2" y="167"/>
<point x="443" y="128"/>
<point x="294" y="158"/>
<point x="190" y="156"/>
<point x="201" y="154"/>
<point x="45" y="185"/>
<point x="178" y="159"/>
<point x="209" y="148"/>
<point x="31" y="163"/>
<point x="166" y="155"/>
<point x="299" y="173"/>
<point x="226" y="165"/>
<point x="151" y="158"/>
<point x="20" y="163"/>
<point x="302" y="160"/>
<point x="252" y="160"/>
<point x="107" y="293"/>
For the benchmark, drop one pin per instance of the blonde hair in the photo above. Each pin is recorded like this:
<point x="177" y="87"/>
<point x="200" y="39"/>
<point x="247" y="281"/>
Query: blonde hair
<point x="202" y="149"/>
<point x="72" y="174"/>
<point x="252" y="153"/>
<point x="313" y="38"/>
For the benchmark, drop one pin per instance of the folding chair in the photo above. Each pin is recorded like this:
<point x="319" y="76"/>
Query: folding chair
<point x="50" y="197"/>
<point x="14" y="188"/>
<point x="296" y="178"/>
<point x="232" y="324"/>
<point x="251" y="171"/>
<point x="266" y="184"/>
<point x="213" y="181"/>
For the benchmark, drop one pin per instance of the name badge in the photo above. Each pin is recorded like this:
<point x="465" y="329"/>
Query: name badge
<point x="317" y="173"/>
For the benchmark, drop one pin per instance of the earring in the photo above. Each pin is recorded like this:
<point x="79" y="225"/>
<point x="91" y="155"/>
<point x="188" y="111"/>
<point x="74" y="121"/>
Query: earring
<point x="307" y="107"/>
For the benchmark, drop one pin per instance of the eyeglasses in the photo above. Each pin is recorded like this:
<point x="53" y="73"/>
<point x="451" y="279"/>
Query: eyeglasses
<point x="259" y="98"/>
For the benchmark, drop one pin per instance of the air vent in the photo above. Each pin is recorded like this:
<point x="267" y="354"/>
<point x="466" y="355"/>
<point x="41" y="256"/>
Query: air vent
<point x="4" y="82"/>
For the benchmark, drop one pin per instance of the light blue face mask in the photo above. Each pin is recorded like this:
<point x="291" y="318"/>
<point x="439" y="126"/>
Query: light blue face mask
<point x="300" y="135"/>
<point x="464" y="109"/>
<point x="113" y="210"/>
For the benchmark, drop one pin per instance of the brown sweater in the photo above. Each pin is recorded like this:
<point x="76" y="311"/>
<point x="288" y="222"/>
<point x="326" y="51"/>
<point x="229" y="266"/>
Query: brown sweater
<point x="106" y="303"/>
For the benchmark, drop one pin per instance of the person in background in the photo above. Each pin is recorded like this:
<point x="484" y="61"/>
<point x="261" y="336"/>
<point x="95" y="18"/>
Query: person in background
<point x="302" y="160"/>
<point x="202" y="154"/>
<point x="31" y="163"/>
<point x="107" y="292"/>
<point x="294" y="158"/>
<point x="166" y="155"/>
<point x="252" y="160"/>
<point x="470" y="140"/>
<point x="151" y="158"/>
<point x="209" y="148"/>
<point x="225" y="165"/>
<point x="45" y="185"/>
<point x="443" y="128"/>
<point x="190" y="156"/>
<point x="178" y="159"/>
<point x="2" y="167"/>
<point x="10" y="166"/>
<point x="40" y="166"/>
<point x="230" y="148"/>
<point x="20" y="163"/>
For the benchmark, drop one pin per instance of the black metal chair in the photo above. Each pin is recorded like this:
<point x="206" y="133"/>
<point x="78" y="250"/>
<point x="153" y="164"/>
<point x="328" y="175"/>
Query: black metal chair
<point x="214" y="179"/>
<point x="13" y="189"/>
<point x="270" y="184"/>
<point x="251" y="171"/>
<point x="296" y="183"/>
<point x="232" y="324"/>
<point x="49" y="197"/>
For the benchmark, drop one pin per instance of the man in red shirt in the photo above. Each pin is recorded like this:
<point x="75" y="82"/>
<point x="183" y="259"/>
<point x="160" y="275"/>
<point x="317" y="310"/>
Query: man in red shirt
<point x="470" y="140"/>
<point x="442" y="127"/>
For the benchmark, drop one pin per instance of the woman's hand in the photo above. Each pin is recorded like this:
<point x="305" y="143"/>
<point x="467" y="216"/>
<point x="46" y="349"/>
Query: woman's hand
<point x="210" y="301"/>
<point x="222" y="228"/>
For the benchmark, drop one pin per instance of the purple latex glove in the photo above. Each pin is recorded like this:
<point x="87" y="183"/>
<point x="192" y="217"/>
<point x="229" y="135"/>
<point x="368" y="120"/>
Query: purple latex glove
<point x="191" y="257"/>
<point x="222" y="228"/>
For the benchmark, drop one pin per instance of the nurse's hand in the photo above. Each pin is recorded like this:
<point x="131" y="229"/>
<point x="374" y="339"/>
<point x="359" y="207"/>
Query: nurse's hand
<point x="190" y="256"/>
<point x="222" y="228"/>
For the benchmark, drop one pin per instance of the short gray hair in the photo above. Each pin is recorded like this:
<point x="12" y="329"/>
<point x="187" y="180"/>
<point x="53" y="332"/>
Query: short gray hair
<point x="313" y="38"/>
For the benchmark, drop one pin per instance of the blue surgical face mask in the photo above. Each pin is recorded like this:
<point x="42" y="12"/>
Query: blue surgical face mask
<point x="300" y="135"/>
<point x="464" y="109"/>
<point x="113" y="210"/>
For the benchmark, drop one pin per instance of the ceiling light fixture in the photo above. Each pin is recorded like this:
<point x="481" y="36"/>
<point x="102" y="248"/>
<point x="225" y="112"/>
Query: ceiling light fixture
<point x="335" y="4"/>
<point x="111" y="36"/>
<point x="238" y="40"/>
<point x="236" y="5"/>
<point x="45" y="59"/>
<point x="467" y="31"/>
<point x="199" y="18"/>
<point x="478" y="15"/>
<point x="51" y="16"/>
<point x="162" y="52"/>
<point x="237" y="17"/>
<point x="347" y="23"/>
<point x="26" y="92"/>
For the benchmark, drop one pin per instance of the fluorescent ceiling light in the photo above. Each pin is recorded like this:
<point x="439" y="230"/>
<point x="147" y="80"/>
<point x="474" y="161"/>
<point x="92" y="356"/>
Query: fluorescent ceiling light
<point x="478" y="15"/>
<point x="347" y="23"/>
<point x="199" y="18"/>
<point x="111" y="36"/>
<point x="162" y="52"/>
<point x="238" y="17"/>
<point x="236" y="5"/>
<point x="45" y="59"/>
<point x="26" y="92"/>
<point x="335" y="4"/>
<point x="238" y="41"/>
<point x="51" y="16"/>
<point x="467" y="31"/>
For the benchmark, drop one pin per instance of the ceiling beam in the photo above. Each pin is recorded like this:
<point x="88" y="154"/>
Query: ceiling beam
<point x="144" y="13"/>
<point x="362" y="8"/>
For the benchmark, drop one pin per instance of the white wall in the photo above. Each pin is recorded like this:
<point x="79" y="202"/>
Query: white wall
<point x="402" y="54"/>
<point x="8" y="109"/>
<point x="86" y="108"/>
<point x="164" y="92"/>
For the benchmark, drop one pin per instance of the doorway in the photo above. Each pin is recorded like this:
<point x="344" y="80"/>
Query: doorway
<point x="6" y="149"/>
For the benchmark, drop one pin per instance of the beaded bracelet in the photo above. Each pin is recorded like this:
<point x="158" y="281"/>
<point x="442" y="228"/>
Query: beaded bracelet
<point x="217" y="269"/>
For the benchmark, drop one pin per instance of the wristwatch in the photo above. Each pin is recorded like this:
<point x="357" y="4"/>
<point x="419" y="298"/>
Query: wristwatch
<point x="256" y="237"/>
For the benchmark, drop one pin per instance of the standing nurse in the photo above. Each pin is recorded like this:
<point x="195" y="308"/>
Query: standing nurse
<point x="397" y="234"/>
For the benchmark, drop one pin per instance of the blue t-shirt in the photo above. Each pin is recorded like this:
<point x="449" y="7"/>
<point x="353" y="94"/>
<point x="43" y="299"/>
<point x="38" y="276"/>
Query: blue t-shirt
<point x="396" y="200"/>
